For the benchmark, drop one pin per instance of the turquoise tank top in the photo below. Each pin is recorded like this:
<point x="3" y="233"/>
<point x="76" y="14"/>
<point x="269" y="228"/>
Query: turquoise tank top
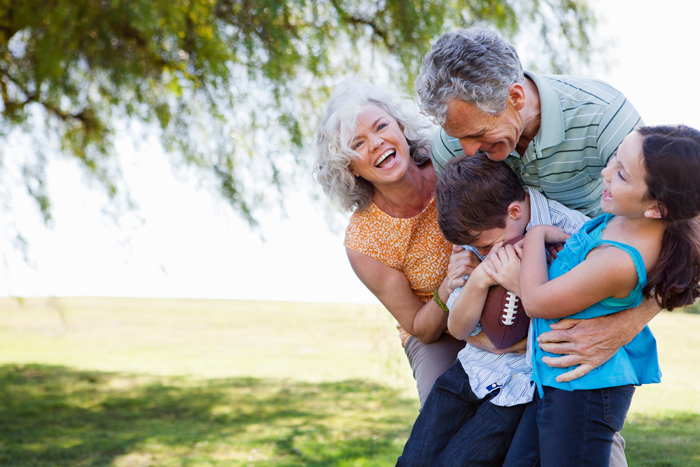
<point x="635" y="363"/>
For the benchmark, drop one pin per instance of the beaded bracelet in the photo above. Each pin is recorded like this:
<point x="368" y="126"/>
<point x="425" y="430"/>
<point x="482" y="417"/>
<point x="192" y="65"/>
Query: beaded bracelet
<point x="437" y="300"/>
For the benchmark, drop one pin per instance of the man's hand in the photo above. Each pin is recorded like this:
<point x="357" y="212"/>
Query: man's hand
<point x="462" y="263"/>
<point x="554" y="249"/>
<point x="589" y="343"/>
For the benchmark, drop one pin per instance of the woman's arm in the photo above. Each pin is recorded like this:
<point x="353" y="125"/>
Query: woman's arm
<point x="606" y="272"/>
<point x="425" y="321"/>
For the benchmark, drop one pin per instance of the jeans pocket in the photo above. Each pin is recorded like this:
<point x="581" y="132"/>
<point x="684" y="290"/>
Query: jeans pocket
<point x="616" y="403"/>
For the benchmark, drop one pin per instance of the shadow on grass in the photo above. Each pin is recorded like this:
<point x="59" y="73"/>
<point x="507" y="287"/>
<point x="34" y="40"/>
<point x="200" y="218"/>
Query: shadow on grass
<point x="663" y="441"/>
<point x="57" y="416"/>
<point x="62" y="417"/>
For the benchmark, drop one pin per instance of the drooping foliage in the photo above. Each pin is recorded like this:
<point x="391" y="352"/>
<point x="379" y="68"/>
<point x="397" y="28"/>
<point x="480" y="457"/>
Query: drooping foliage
<point x="232" y="87"/>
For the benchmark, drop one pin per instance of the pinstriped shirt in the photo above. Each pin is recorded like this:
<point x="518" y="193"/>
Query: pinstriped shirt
<point x="582" y="123"/>
<point x="511" y="372"/>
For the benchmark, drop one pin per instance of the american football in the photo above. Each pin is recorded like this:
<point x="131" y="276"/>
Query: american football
<point x="503" y="318"/>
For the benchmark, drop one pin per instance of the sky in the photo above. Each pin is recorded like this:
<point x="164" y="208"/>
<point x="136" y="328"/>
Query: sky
<point x="184" y="242"/>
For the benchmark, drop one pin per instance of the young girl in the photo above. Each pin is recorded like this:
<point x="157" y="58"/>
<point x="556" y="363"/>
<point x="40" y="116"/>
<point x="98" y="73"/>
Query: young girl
<point x="647" y="244"/>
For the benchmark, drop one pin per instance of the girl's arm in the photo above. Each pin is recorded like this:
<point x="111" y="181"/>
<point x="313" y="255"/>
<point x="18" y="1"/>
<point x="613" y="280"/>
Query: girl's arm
<point x="465" y="312"/>
<point x="424" y="321"/>
<point x="606" y="272"/>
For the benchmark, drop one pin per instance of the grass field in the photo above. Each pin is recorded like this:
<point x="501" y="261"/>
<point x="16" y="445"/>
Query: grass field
<point x="147" y="382"/>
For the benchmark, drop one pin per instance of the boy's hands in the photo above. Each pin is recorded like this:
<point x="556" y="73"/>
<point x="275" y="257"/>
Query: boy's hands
<point x="480" y="275"/>
<point x="502" y="265"/>
<point x="462" y="263"/>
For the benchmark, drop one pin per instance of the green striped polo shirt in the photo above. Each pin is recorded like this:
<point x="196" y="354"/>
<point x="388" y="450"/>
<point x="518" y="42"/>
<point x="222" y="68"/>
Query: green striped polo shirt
<point x="582" y="123"/>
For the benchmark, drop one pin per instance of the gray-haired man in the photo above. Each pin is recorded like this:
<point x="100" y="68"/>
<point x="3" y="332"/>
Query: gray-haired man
<point x="556" y="132"/>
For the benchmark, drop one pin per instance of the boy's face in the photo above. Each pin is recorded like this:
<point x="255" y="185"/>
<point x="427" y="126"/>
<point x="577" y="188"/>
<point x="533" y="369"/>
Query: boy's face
<point x="488" y="238"/>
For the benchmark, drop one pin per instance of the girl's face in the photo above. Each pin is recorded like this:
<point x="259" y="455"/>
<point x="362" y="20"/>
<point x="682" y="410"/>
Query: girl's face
<point x="381" y="144"/>
<point x="625" y="188"/>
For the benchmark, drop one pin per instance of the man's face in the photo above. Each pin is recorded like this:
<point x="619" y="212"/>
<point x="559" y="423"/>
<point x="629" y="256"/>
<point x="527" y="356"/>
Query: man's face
<point x="476" y="130"/>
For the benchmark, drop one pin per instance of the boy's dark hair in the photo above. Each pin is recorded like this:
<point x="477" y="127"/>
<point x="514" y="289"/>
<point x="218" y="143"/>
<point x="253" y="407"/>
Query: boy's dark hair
<point x="473" y="195"/>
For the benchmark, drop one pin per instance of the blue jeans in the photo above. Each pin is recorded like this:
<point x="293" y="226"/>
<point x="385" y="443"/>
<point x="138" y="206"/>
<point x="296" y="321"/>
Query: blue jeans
<point x="429" y="361"/>
<point x="570" y="428"/>
<point x="456" y="428"/>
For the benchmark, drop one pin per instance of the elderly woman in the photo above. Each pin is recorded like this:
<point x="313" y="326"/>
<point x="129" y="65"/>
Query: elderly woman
<point x="374" y="158"/>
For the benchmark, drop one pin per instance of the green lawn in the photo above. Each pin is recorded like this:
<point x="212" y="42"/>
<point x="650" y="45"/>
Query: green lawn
<point x="145" y="382"/>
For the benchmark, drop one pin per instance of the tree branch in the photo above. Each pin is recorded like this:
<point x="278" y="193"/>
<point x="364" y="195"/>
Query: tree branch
<point x="364" y="21"/>
<point x="12" y="105"/>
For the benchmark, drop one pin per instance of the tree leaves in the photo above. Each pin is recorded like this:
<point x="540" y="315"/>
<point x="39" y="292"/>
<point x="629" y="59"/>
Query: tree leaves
<point x="234" y="87"/>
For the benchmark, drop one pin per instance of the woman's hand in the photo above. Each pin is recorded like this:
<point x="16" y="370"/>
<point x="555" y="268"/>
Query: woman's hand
<point x="462" y="263"/>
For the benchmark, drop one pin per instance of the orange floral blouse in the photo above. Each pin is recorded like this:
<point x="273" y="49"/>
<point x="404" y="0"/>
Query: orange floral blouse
<point x="414" y="246"/>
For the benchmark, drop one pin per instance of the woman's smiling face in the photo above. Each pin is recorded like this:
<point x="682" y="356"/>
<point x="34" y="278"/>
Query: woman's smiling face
<point x="381" y="144"/>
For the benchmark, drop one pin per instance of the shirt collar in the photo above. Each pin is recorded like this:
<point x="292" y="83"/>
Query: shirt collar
<point x="539" y="209"/>
<point x="551" y="131"/>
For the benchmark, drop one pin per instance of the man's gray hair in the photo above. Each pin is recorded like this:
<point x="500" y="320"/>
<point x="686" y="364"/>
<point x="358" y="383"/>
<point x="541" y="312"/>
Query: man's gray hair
<point x="476" y="66"/>
<point x="337" y="130"/>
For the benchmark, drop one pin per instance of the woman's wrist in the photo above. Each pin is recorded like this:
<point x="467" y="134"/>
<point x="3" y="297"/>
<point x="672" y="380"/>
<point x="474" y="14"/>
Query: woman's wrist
<point x="438" y="299"/>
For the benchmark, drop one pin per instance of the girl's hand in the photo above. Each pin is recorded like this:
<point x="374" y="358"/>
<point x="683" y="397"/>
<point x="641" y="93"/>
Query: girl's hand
<point x="462" y="262"/>
<point x="550" y="234"/>
<point x="503" y="266"/>
<point x="518" y="246"/>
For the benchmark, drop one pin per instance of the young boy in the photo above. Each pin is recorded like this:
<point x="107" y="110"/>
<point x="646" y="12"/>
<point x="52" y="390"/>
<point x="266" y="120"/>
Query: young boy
<point x="471" y="413"/>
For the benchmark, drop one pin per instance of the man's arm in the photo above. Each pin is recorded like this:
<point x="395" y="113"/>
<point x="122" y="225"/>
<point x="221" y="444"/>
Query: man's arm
<point x="591" y="342"/>
<point x="619" y="120"/>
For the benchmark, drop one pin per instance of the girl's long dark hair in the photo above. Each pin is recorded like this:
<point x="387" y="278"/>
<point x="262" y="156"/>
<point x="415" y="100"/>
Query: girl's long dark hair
<point x="672" y="160"/>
